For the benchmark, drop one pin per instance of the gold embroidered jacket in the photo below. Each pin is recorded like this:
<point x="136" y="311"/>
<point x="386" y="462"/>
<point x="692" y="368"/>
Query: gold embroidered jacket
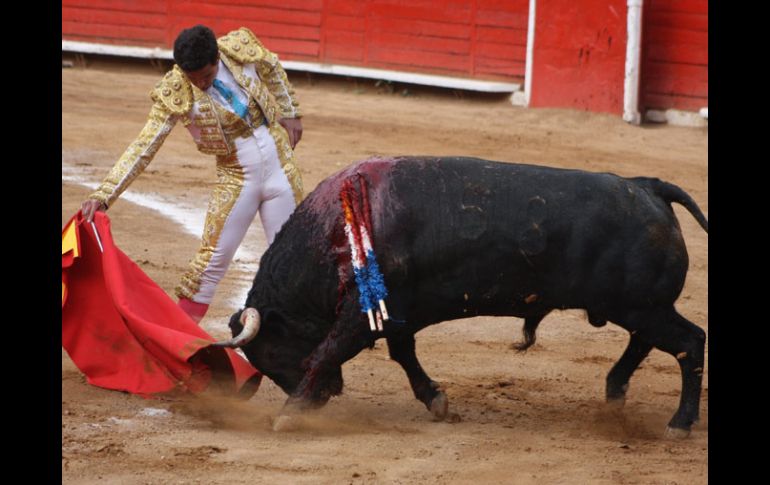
<point x="213" y="128"/>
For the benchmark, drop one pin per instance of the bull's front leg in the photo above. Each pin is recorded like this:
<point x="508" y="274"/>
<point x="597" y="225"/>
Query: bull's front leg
<point x="323" y="377"/>
<point x="401" y="349"/>
<point x="349" y="335"/>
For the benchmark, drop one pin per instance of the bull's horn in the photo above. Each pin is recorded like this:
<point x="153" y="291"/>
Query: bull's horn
<point x="250" y="322"/>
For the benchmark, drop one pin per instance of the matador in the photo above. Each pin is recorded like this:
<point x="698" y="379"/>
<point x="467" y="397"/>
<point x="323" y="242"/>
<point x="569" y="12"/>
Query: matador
<point x="235" y="99"/>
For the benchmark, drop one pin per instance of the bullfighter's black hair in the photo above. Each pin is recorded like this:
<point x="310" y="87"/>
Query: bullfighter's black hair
<point x="195" y="48"/>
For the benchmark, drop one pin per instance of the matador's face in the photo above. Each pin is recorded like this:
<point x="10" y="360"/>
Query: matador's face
<point x="204" y="77"/>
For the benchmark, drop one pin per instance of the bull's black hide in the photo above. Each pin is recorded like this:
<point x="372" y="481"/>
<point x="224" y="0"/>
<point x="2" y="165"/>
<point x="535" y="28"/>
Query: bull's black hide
<point x="460" y="237"/>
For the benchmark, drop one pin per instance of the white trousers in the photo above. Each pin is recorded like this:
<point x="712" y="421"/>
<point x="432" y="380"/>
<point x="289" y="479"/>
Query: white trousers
<point x="251" y="181"/>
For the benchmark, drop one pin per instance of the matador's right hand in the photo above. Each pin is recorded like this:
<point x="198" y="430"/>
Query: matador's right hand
<point x="90" y="206"/>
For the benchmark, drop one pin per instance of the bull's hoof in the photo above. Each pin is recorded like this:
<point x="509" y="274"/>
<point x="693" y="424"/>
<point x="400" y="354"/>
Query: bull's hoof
<point x="676" y="433"/>
<point x="285" y="423"/>
<point x="616" y="393"/>
<point x="439" y="406"/>
<point x="616" y="403"/>
<point x="453" y="418"/>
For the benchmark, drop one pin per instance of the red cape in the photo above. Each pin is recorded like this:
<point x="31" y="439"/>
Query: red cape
<point x="125" y="333"/>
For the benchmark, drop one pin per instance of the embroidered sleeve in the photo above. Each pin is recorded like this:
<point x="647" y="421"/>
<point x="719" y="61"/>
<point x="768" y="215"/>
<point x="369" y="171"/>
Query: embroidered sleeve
<point x="138" y="155"/>
<point x="272" y="73"/>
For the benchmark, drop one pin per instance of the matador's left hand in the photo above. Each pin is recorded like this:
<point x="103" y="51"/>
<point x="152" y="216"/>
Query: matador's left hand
<point x="293" y="128"/>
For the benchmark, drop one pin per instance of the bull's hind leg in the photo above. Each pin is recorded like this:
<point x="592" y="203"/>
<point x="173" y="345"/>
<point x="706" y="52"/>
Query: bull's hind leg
<point x="401" y="348"/>
<point x="675" y="335"/>
<point x="617" y="379"/>
<point x="691" y="365"/>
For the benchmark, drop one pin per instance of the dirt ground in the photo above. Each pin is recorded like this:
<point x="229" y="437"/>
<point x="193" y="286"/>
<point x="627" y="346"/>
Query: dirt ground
<point x="535" y="417"/>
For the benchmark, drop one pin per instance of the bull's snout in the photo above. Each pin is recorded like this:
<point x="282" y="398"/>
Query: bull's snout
<point x="250" y="321"/>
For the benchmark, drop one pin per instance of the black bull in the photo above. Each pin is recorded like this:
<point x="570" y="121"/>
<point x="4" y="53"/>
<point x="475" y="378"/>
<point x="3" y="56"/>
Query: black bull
<point x="461" y="237"/>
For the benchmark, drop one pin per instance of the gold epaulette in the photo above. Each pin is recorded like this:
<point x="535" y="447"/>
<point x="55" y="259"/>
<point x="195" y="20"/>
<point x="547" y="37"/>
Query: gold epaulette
<point x="174" y="91"/>
<point x="243" y="46"/>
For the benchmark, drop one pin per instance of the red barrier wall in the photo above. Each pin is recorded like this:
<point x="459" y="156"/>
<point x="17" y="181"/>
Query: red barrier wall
<point x="675" y="54"/>
<point x="578" y="59"/>
<point x="484" y="39"/>
<point x="124" y="22"/>
<point x="579" y="55"/>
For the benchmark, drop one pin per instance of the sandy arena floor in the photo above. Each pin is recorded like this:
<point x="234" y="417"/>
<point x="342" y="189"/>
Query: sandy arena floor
<point x="537" y="417"/>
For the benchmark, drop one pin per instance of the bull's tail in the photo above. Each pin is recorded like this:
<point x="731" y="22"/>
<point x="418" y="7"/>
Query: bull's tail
<point x="671" y="193"/>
